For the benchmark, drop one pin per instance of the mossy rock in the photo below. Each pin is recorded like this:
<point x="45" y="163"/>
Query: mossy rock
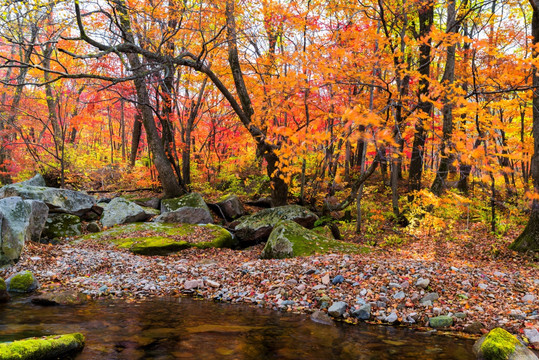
<point x="22" y="282"/>
<point x="48" y="347"/>
<point x="440" y="321"/>
<point x="62" y="225"/>
<point x="4" y="295"/>
<point x="289" y="239"/>
<point x="60" y="298"/>
<point x="498" y="344"/>
<point x="163" y="238"/>
<point x="188" y="209"/>
<point x="256" y="228"/>
<point x="193" y="200"/>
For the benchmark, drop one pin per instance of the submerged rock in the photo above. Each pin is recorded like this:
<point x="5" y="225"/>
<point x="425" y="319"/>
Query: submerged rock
<point x="48" y="347"/>
<point x="256" y="228"/>
<point x="122" y="211"/>
<point x="22" y="282"/>
<point x="4" y="295"/>
<point x="321" y="318"/>
<point x="60" y="298"/>
<point x="288" y="239"/>
<point x="498" y="344"/>
<point x="188" y="209"/>
<point x="62" y="225"/>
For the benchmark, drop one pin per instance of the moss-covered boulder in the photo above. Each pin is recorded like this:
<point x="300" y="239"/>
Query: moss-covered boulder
<point x="289" y="239"/>
<point x="48" y="347"/>
<point x="230" y="207"/>
<point x="62" y="225"/>
<point x="498" y="344"/>
<point x="440" y="321"/>
<point x="256" y="228"/>
<point x="188" y="209"/>
<point x="122" y="211"/>
<point x="4" y="295"/>
<point x="162" y="238"/>
<point x="22" y="282"/>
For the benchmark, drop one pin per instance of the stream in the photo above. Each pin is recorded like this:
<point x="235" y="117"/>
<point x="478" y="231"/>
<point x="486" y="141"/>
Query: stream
<point x="185" y="328"/>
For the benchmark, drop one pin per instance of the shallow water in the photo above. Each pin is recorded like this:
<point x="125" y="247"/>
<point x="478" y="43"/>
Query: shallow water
<point x="189" y="329"/>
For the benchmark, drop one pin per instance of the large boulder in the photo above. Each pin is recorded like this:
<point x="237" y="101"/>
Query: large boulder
<point x="256" y="228"/>
<point x="15" y="229"/>
<point x="230" y="207"/>
<point x="37" y="180"/>
<point x="122" y="211"/>
<point x="188" y="209"/>
<point x="22" y="282"/>
<point x="62" y="225"/>
<point x="289" y="239"/>
<point x="58" y="200"/>
<point x="48" y="347"/>
<point x="498" y="344"/>
<point x="39" y="212"/>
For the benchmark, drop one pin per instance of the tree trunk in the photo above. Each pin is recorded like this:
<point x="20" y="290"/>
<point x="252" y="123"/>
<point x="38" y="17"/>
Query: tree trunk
<point x="135" y="138"/>
<point x="529" y="239"/>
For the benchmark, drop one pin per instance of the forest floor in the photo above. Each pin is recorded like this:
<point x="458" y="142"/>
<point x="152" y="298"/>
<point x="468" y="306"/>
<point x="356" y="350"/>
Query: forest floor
<point x="489" y="287"/>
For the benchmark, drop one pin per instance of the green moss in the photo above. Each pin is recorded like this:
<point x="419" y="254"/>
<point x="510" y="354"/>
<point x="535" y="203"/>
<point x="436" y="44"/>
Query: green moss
<point x="193" y="200"/>
<point x="49" y="347"/>
<point x="270" y="217"/>
<point x="62" y="225"/>
<point x="2" y="285"/>
<point x="21" y="282"/>
<point x="498" y="345"/>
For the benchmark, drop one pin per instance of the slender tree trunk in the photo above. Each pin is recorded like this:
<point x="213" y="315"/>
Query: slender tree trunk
<point x="135" y="137"/>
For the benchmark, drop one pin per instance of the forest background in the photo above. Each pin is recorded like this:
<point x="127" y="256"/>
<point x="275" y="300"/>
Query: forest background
<point x="393" y="119"/>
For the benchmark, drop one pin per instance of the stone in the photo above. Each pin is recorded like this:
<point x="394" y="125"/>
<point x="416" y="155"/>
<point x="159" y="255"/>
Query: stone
<point x="517" y="314"/>
<point x="474" y="328"/>
<point x="440" y="321"/>
<point x="422" y="283"/>
<point x="62" y="225"/>
<point x="256" y="228"/>
<point x="15" y="230"/>
<point x="498" y="344"/>
<point x="528" y="299"/>
<point x="482" y="286"/>
<point x="37" y="180"/>
<point x="39" y="212"/>
<point x="532" y="335"/>
<point x="60" y="298"/>
<point x="399" y="296"/>
<point x="231" y="207"/>
<point x="22" y="282"/>
<point x="188" y="209"/>
<point x="4" y="295"/>
<point x="321" y="318"/>
<point x="429" y="297"/>
<point x="154" y="203"/>
<point x="122" y="211"/>
<point x="48" y="347"/>
<point x="93" y="227"/>
<point x="460" y="315"/>
<point x="391" y="318"/>
<point x="193" y="284"/>
<point x="337" y="309"/>
<point x="58" y="200"/>
<point x="325" y="279"/>
<point x="289" y="239"/>
<point x="362" y="313"/>
<point x="213" y="284"/>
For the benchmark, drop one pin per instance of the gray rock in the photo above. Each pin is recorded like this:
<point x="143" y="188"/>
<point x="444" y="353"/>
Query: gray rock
<point x="93" y="227"/>
<point x="58" y="200"/>
<point x="337" y="309"/>
<point x="362" y="313"/>
<point x="528" y="298"/>
<point x="188" y="209"/>
<point x="398" y="296"/>
<point x="429" y="297"/>
<point x="22" y="282"/>
<point x="499" y="344"/>
<point x="193" y="284"/>
<point x="62" y="225"/>
<point x="517" y="314"/>
<point x="231" y="207"/>
<point x="532" y="335"/>
<point x="60" y="298"/>
<point x="122" y="211"/>
<point x="391" y="318"/>
<point x="256" y="228"/>
<point x="15" y="218"/>
<point x="37" y="180"/>
<point x="39" y="211"/>
<point x="474" y="328"/>
<point x="422" y="283"/>
<point x="321" y="318"/>
<point x="440" y="321"/>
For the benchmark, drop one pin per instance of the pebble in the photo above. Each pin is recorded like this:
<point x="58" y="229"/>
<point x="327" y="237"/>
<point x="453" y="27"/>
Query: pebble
<point x="193" y="284"/>
<point x="213" y="284"/>
<point x="337" y="309"/>
<point x="362" y="313"/>
<point x="422" y="283"/>
<point x="337" y="280"/>
<point x="398" y="296"/>
<point x="532" y="335"/>
<point x="482" y="286"/>
<point x="429" y="297"/>
<point x="528" y="299"/>
<point x="392" y="318"/>
<point x="325" y="279"/>
<point x="517" y="314"/>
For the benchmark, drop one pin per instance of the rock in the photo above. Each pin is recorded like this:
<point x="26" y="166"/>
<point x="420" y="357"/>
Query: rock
<point x="58" y="200"/>
<point x="325" y="279"/>
<point x="62" y="225"/>
<point x="154" y="203"/>
<point x="321" y="318"/>
<point x="362" y="313"/>
<point x="528" y="299"/>
<point x="93" y="227"/>
<point x="429" y="297"/>
<point x="256" y="228"/>
<point x="482" y="286"/>
<point x="532" y="335"/>
<point x="499" y="344"/>
<point x="337" y="280"/>
<point x="15" y="219"/>
<point x="37" y="180"/>
<point x="231" y="207"/>
<point x="39" y="211"/>
<point x="517" y="314"/>
<point x="4" y="295"/>
<point x="22" y="282"/>
<point x="188" y="209"/>
<point x="474" y="328"/>
<point x="193" y="284"/>
<point x="122" y="211"/>
<point x="213" y="284"/>
<point x="48" y="347"/>
<point x="440" y="321"/>
<point x="422" y="283"/>
<point x="460" y="315"/>
<point x="391" y="318"/>
<point x="399" y="296"/>
<point x="337" y="309"/>
<point x="289" y="239"/>
<point x="60" y="298"/>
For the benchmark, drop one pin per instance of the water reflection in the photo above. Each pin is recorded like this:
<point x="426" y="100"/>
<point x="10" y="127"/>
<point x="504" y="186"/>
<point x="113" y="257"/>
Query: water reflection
<point x="189" y="329"/>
